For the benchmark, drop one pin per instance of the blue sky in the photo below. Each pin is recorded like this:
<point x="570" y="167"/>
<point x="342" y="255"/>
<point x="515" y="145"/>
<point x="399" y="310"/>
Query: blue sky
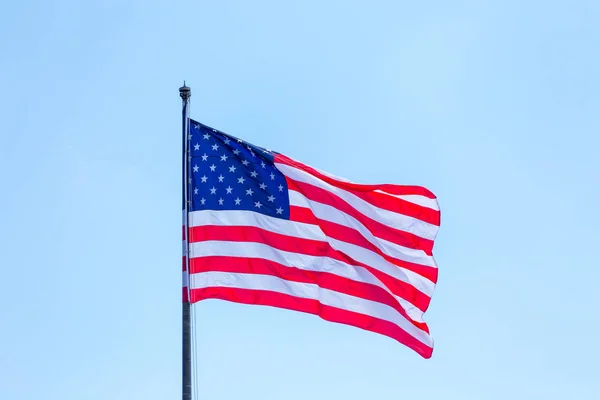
<point x="493" y="105"/>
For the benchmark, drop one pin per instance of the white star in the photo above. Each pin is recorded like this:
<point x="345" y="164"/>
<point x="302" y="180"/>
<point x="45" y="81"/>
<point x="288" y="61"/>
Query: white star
<point x="239" y="140"/>
<point x="279" y="210"/>
<point x="272" y="176"/>
<point x="206" y="136"/>
<point x="195" y="190"/>
<point x="213" y="190"/>
<point x="204" y="178"/>
<point x="262" y="164"/>
<point x="189" y="158"/>
<point x="204" y="157"/>
<point x="281" y="188"/>
<point x="236" y="152"/>
<point x="196" y="146"/>
<point x="229" y="189"/>
<point x="263" y="186"/>
<point x="221" y="202"/>
<point x="197" y="126"/>
<point x="190" y="181"/>
<point x="224" y="157"/>
<point x="214" y="130"/>
<point x="213" y="167"/>
<point x="253" y="155"/>
<point x="215" y="147"/>
<point x="245" y="162"/>
<point x="202" y="201"/>
<point x="195" y="168"/>
<point x="221" y="177"/>
<point x="257" y="204"/>
<point x="249" y="192"/>
<point x="190" y="137"/>
<point x="254" y="174"/>
<point x="249" y="148"/>
<point x="241" y="180"/>
<point x="227" y="140"/>
<point x="232" y="168"/>
<point x="238" y="201"/>
<point x="271" y="198"/>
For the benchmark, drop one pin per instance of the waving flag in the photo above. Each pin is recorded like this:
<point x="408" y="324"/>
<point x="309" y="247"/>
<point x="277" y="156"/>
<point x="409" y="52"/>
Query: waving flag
<point x="268" y="230"/>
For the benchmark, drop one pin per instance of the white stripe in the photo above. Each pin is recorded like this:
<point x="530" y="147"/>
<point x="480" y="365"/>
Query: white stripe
<point x="309" y="291"/>
<point x="297" y="260"/>
<point x="330" y="175"/>
<point x="332" y="214"/>
<point x="416" y="199"/>
<point x="396" y="220"/>
<point x="251" y="218"/>
<point x="184" y="278"/>
<point x="308" y="231"/>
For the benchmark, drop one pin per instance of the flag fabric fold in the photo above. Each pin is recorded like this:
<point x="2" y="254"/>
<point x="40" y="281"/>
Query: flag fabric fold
<point x="261" y="228"/>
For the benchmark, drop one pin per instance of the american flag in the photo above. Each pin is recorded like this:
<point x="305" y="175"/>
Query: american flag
<point x="265" y="229"/>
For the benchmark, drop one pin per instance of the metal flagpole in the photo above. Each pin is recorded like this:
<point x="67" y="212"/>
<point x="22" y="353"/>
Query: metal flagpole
<point x="186" y="394"/>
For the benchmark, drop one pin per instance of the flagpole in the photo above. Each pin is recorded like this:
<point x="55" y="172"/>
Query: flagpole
<point x="186" y="393"/>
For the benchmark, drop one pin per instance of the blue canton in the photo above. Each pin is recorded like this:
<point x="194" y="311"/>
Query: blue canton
<point x="227" y="173"/>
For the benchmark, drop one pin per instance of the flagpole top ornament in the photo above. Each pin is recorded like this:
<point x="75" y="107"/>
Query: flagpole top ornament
<point x="185" y="92"/>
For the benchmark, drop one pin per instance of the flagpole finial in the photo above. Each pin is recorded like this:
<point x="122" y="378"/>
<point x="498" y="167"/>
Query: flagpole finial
<point x="185" y="92"/>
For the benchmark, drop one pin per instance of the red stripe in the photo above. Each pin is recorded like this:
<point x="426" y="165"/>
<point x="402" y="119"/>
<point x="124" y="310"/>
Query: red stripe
<point x="400" y="206"/>
<point x="183" y="232"/>
<point x="183" y="263"/>
<point x="324" y="280"/>
<point x="328" y="313"/>
<point x="308" y="247"/>
<point x="378" y="229"/>
<point x="349" y="235"/>
<point x="184" y="294"/>
<point x="355" y="187"/>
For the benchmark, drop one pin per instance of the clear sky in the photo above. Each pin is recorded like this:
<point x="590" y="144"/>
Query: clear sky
<point x="493" y="105"/>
